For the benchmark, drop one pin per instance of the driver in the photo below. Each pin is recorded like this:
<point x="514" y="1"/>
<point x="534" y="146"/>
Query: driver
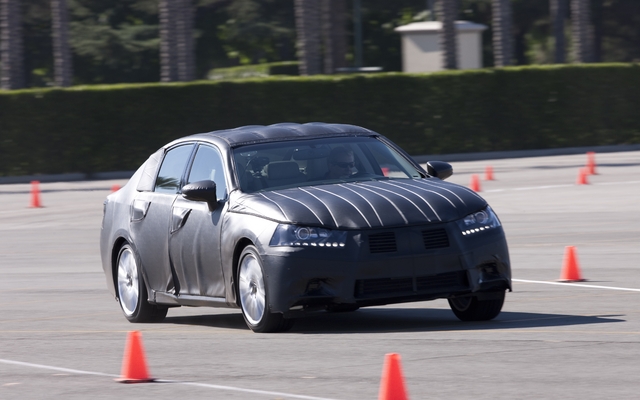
<point x="341" y="163"/>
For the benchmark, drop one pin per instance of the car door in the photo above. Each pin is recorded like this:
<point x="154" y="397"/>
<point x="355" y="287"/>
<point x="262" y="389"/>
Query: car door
<point x="151" y="213"/>
<point x="194" y="244"/>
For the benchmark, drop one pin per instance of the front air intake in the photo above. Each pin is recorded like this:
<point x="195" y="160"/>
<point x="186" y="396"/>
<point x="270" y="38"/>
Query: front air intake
<point x="435" y="239"/>
<point x="383" y="243"/>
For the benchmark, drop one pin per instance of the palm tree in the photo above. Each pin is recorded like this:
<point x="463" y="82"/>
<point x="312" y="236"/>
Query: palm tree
<point x="11" y="45"/>
<point x="177" y="58"/>
<point x="558" y="14"/>
<point x="334" y="18"/>
<point x="307" y="14"/>
<point x="581" y="31"/>
<point x="168" y="41"/>
<point x="185" y="45"/>
<point x="447" y="11"/>
<point x="502" y="35"/>
<point x="62" y="66"/>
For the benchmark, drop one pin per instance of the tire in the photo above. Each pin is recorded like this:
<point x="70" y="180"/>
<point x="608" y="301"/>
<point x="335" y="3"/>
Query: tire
<point x="132" y="291"/>
<point x="254" y="295"/>
<point x="469" y="308"/>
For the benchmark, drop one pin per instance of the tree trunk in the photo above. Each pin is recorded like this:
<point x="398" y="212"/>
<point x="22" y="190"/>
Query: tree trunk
<point x="307" y="14"/>
<point x="11" y="53"/>
<point x="581" y="31"/>
<point x="502" y="33"/>
<point x="168" y="41"/>
<point x="185" y="43"/>
<point x="62" y="65"/>
<point x="558" y="14"/>
<point x="447" y="11"/>
<point x="334" y="18"/>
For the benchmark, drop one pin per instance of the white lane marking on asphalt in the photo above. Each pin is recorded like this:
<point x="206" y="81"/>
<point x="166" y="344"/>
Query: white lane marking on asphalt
<point x="577" y="284"/>
<point x="206" y="385"/>
<point x="558" y="186"/>
<point x="71" y="371"/>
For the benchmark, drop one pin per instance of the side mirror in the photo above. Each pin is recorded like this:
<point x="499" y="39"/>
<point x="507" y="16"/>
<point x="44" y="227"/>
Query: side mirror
<point x="202" y="191"/>
<point x="439" y="169"/>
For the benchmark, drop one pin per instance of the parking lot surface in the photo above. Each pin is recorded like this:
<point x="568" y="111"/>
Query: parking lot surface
<point x="63" y="336"/>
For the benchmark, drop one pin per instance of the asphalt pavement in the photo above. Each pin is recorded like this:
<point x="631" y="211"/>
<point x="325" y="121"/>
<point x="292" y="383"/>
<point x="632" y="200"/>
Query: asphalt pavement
<point x="63" y="336"/>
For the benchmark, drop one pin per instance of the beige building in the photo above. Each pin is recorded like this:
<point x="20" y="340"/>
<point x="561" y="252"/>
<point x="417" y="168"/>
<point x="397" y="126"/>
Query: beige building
<point x="421" y="49"/>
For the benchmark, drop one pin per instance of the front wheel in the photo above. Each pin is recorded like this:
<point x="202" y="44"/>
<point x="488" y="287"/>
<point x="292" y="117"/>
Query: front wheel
<point x="254" y="295"/>
<point x="132" y="292"/>
<point x="469" y="308"/>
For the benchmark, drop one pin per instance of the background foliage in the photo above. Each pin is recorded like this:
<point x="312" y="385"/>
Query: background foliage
<point x="115" y="127"/>
<point x="116" y="41"/>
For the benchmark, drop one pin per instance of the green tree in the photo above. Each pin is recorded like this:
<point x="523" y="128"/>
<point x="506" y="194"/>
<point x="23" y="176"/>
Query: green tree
<point x="115" y="41"/>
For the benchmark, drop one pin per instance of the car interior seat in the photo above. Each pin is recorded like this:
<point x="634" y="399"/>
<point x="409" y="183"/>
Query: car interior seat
<point x="281" y="173"/>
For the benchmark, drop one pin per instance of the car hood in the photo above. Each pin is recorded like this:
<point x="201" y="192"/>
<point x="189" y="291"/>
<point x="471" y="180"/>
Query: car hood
<point x="362" y="205"/>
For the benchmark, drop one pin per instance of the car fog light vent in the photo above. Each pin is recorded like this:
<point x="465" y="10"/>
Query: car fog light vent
<point x="383" y="243"/>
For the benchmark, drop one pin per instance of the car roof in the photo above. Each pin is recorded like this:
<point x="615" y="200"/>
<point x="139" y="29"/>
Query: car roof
<point x="251" y="134"/>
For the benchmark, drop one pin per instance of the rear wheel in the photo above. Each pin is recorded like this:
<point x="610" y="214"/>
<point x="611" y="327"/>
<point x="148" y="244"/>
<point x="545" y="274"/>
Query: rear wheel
<point x="254" y="295"/>
<point x="469" y="308"/>
<point x="132" y="292"/>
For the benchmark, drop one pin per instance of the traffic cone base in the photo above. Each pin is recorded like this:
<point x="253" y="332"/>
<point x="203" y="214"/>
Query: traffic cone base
<point x="570" y="269"/>
<point x="591" y="163"/>
<point x="35" y="195"/>
<point x="134" y="364"/>
<point x="582" y="177"/>
<point x="392" y="385"/>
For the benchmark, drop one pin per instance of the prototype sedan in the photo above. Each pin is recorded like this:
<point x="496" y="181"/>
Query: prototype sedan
<point x="289" y="219"/>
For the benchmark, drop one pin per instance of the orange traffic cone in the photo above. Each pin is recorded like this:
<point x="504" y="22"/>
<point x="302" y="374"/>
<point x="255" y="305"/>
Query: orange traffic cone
<point x="134" y="364"/>
<point x="488" y="173"/>
<point x="392" y="383"/>
<point x="570" y="270"/>
<point x="591" y="163"/>
<point x="475" y="183"/>
<point x="582" y="177"/>
<point x="35" y="194"/>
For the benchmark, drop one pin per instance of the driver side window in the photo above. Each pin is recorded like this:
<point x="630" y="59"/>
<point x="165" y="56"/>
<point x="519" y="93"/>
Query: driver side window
<point x="207" y="165"/>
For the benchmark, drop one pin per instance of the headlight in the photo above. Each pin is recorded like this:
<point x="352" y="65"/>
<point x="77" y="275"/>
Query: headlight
<point x="293" y="235"/>
<point x="479" y="221"/>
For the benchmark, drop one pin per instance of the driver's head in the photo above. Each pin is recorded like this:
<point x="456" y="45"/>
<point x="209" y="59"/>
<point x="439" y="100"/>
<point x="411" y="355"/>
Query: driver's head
<point x="341" y="163"/>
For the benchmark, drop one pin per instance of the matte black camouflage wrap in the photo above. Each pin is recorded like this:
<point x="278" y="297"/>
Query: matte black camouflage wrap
<point x="401" y="239"/>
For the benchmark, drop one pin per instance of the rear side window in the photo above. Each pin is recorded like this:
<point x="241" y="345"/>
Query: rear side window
<point x="173" y="166"/>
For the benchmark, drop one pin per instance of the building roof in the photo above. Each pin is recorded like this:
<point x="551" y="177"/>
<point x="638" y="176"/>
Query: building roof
<point x="436" y="26"/>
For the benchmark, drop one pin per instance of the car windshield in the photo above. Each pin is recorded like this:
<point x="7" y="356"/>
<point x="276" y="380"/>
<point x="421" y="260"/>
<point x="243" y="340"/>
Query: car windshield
<point x="297" y="163"/>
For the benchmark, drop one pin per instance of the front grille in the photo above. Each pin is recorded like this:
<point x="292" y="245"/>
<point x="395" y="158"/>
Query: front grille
<point x="383" y="242"/>
<point x="442" y="281"/>
<point x="385" y="286"/>
<point x="435" y="239"/>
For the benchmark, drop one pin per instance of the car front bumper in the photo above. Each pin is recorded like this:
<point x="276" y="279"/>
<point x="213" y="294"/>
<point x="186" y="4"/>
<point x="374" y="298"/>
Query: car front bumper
<point x="407" y="268"/>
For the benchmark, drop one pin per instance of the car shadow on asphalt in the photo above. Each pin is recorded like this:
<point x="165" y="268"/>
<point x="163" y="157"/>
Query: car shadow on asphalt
<point x="383" y="320"/>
